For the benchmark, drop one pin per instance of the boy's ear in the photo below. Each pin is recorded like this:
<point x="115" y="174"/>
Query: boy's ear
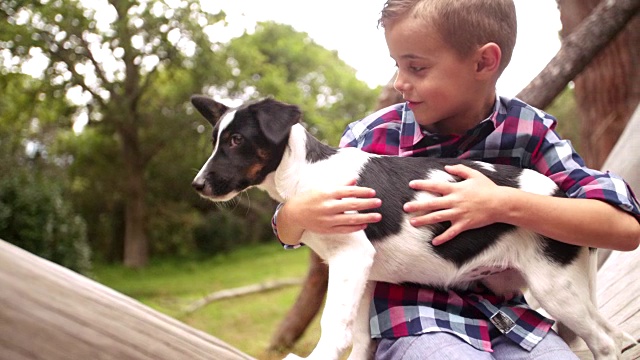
<point x="488" y="60"/>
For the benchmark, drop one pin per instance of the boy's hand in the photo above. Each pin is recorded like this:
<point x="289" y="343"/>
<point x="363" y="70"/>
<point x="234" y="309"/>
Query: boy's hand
<point x="469" y="204"/>
<point x="334" y="211"/>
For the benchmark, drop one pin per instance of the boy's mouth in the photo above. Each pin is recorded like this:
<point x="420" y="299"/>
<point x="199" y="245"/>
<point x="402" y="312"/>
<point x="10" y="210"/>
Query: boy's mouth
<point x="413" y="104"/>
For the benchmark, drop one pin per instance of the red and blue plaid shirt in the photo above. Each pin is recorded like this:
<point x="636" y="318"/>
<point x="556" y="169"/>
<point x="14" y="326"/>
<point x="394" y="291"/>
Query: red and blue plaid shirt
<point x="515" y="134"/>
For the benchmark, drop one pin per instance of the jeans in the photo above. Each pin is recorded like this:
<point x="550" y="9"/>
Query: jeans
<point x="445" y="346"/>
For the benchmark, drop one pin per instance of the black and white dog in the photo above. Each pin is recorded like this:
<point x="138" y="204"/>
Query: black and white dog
<point x="263" y="144"/>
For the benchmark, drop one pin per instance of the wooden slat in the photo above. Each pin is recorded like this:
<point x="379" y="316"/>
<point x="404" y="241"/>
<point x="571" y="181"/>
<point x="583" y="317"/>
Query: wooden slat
<point x="619" y="299"/>
<point x="49" y="312"/>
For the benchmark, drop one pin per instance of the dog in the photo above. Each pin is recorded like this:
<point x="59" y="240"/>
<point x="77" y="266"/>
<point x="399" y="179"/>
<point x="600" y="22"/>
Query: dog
<point x="263" y="144"/>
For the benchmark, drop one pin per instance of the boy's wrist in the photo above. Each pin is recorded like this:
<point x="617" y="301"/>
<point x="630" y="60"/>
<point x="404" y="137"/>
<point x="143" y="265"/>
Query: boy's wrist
<point x="284" y="227"/>
<point x="510" y="205"/>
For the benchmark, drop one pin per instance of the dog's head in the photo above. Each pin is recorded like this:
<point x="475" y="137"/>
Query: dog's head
<point x="248" y="144"/>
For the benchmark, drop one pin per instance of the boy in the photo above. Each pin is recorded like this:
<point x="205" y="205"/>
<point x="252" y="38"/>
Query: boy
<point x="449" y="55"/>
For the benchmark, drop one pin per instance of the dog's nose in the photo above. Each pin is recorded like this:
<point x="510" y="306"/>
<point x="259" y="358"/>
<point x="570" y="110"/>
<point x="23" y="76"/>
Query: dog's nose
<point x="198" y="184"/>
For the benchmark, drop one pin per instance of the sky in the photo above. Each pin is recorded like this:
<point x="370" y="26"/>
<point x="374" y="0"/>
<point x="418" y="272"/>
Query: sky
<point x="350" y="28"/>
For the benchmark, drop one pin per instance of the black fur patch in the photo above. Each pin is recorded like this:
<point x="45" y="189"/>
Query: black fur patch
<point x="556" y="251"/>
<point x="559" y="252"/>
<point x="390" y="177"/>
<point x="317" y="151"/>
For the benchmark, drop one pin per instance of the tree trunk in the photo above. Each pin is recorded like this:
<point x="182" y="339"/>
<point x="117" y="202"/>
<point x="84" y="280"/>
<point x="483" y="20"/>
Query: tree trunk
<point x="136" y="243"/>
<point x="307" y="306"/>
<point x="578" y="49"/>
<point x="608" y="90"/>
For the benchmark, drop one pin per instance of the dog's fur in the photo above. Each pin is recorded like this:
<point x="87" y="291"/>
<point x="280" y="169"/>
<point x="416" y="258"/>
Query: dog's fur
<point x="262" y="144"/>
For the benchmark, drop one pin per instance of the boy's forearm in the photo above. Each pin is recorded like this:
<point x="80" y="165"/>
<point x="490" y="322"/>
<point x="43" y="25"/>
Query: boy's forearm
<point x="288" y="232"/>
<point x="583" y="222"/>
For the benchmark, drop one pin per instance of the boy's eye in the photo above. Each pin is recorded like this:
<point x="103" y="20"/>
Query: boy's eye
<point x="416" y="68"/>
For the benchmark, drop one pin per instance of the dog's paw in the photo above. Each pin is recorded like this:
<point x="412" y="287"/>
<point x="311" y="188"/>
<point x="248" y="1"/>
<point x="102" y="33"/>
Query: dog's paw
<point x="293" y="357"/>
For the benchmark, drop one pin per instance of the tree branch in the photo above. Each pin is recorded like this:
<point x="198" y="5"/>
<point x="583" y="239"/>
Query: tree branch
<point x="95" y="63"/>
<point x="578" y="49"/>
<point x="240" y="291"/>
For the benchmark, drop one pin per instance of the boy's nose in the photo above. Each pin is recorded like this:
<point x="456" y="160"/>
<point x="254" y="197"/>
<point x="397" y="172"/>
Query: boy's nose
<point x="400" y="84"/>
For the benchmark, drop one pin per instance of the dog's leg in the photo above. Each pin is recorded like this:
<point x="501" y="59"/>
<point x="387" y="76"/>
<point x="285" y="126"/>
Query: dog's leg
<point x="350" y="258"/>
<point x="363" y="346"/>
<point x="564" y="292"/>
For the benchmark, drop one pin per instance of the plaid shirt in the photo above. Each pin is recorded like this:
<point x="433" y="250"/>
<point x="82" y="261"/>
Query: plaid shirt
<point x="515" y="134"/>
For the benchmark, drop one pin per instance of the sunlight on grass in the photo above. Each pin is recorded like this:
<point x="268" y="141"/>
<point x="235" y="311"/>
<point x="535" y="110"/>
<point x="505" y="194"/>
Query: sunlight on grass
<point x="246" y="322"/>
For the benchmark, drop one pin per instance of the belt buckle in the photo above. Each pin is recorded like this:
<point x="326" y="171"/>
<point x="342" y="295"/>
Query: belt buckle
<point x="502" y="322"/>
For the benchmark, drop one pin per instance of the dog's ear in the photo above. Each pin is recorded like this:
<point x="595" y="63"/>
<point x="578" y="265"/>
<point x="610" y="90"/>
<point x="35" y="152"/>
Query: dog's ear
<point x="209" y="108"/>
<point x="275" y="118"/>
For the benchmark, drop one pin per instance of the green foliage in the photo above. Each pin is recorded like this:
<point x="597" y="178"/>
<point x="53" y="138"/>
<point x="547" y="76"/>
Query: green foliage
<point x="35" y="212"/>
<point x="130" y="72"/>
<point x="565" y="109"/>
<point x="276" y="60"/>
<point x="35" y="216"/>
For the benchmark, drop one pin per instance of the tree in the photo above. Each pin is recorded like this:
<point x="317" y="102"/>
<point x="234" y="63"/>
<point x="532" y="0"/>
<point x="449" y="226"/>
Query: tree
<point x="112" y="68"/>
<point x="608" y="90"/>
<point x="35" y="212"/>
<point x="275" y="60"/>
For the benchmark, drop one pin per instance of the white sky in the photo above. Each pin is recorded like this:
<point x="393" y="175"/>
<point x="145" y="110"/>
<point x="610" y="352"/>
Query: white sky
<point x="350" y="28"/>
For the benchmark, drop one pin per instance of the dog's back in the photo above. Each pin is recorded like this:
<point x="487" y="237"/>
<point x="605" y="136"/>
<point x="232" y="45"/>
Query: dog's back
<point x="404" y="250"/>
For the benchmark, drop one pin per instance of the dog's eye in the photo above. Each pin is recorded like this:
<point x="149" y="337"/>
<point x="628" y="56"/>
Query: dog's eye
<point x="235" y="140"/>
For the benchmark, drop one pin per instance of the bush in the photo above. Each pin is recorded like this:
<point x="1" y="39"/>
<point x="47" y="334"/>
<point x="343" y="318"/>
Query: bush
<point x="35" y="216"/>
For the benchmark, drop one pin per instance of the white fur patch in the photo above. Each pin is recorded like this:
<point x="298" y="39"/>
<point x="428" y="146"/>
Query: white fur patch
<point x="486" y="166"/>
<point x="440" y="175"/>
<point x="224" y="122"/>
<point x="531" y="181"/>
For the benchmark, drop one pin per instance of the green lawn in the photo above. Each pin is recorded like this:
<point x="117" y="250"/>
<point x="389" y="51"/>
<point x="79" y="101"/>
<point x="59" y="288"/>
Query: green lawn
<point x="247" y="322"/>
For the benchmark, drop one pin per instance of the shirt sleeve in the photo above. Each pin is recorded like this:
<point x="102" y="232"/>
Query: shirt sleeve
<point x="556" y="158"/>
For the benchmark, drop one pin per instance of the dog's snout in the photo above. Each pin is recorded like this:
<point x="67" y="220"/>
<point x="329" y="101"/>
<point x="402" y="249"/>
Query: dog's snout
<point x="198" y="184"/>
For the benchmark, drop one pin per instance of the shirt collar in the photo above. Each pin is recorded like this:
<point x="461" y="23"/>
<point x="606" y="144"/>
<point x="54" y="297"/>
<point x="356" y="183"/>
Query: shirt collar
<point x="411" y="133"/>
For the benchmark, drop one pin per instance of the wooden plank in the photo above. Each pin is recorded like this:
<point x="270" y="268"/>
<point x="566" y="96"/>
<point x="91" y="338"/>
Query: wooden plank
<point x="618" y="299"/>
<point x="49" y="312"/>
<point x="618" y="293"/>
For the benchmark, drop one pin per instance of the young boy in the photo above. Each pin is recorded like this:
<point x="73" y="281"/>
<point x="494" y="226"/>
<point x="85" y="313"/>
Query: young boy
<point x="449" y="55"/>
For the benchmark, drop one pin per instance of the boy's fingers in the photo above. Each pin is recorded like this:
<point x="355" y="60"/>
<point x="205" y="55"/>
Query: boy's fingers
<point x="434" y="204"/>
<point x="463" y="171"/>
<point x="346" y="229"/>
<point x="449" y="234"/>
<point x="348" y="223"/>
<point x="434" y="186"/>
<point x="354" y="192"/>
<point x="358" y="219"/>
<point x="432" y="218"/>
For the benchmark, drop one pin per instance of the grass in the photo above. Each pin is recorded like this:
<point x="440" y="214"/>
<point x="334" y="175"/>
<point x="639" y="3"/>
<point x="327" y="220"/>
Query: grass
<point x="247" y="322"/>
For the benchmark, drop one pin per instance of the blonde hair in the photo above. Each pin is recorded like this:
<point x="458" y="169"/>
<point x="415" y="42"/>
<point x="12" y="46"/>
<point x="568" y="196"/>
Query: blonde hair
<point x="465" y="24"/>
